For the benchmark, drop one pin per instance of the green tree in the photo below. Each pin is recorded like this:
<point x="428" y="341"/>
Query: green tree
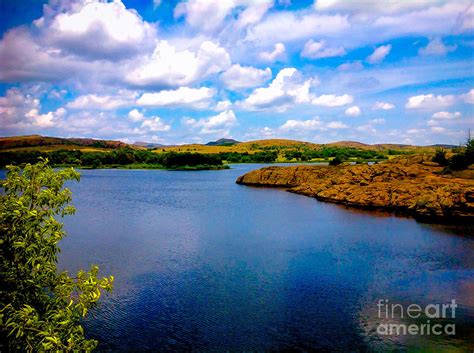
<point x="41" y="308"/>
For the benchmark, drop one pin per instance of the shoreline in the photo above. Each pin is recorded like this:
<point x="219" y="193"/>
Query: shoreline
<point x="407" y="186"/>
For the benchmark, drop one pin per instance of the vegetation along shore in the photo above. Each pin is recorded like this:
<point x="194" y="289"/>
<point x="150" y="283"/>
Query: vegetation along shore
<point x="432" y="187"/>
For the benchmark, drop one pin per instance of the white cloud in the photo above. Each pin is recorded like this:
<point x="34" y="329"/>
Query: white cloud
<point x="468" y="97"/>
<point x="436" y="47"/>
<point x="317" y="50"/>
<point x="286" y="26"/>
<point x="23" y="59"/>
<point x="383" y="106"/>
<point x="373" y="6"/>
<point x="196" y="97"/>
<point x="302" y="125"/>
<point x="44" y="120"/>
<point x="20" y="110"/>
<point x="277" y="53"/>
<point x="331" y="100"/>
<point x="168" y="67"/>
<point x="217" y="124"/>
<point x="208" y="16"/>
<point x="204" y="15"/>
<point x="155" y="124"/>
<point x="446" y="115"/>
<point x="336" y="125"/>
<point x="106" y="102"/>
<point x="438" y="129"/>
<point x="285" y="90"/>
<point x="379" y="54"/>
<point x="378" y="121"/>
<point x="431" y="20"/>
<point x="120" y="31"/>
<point x="353" y="111"/>
<point x="253" y="13"/>
<point x="135" y="115"/>
<point x="223" y="105"/>
<point x="351" y="66"/>
<point x="430" y="101"/>
<point x="465" y="20"/>
<point x="237" y="76"/>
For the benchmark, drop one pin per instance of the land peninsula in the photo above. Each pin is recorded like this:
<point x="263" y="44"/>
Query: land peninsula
<point x="413" y="185"/>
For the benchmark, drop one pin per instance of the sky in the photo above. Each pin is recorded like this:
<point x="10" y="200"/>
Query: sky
<point x="175" y="72"/>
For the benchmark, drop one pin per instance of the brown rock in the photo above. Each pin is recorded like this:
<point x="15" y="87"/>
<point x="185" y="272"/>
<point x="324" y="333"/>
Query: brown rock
<point x="408" y="185"/>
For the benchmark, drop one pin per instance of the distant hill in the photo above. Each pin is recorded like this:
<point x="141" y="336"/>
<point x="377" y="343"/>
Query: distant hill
<point x="45" y="142"/>
<point x="354" y="144"/>
<point x="148" y="144"/>
<point x="444" y="146"/>
<point x="223" y="142"/>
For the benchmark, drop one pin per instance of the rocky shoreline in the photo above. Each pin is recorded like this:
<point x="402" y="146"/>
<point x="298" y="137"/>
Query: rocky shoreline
<point x="409" y="185"/>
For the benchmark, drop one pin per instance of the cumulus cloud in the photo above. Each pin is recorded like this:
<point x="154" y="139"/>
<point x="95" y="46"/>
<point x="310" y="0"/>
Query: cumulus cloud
<point x="135" y="116"/>
<point x="277" y="53"/>
<point x="202" y="14"/>
<point x="196" y="97"/>
<point x="23" y="59"/>
<point x="296" y="25"/>
<point x="430" y="101"/>
<point x="105" y="102"/>
<point x="383" y="106"/>
<point x="468" y="97"/>
<point x="353" y="111"/>
<point x="237" y="77"/>
<point x="253" y="13"/>
<point x="285" y="90"/>
<point x="331" y="100"/>
<point x="120" y="31"/>
<point x="217" y="124"/>
<point x="223" y="105"/>
<point x="379" y="54"/>
<point x="351" y="66"/>
<point x="378" y="121"/>
<point x="20" y="110"/>
<point x="168" y="67"/>
<point x="155" y="124"/>
<point x="436" y="47"/>
<point x="336" y="125"/>
<point x="317" y="50"/>
<point x="302" y="125"/>
<point x="313" y="124"/>
<point x="446" y="115"/>
<point x="208" y="16"/>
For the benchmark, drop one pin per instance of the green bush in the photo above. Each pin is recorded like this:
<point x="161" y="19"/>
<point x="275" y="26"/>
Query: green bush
<point x="440" y="157"/>
<point x="40" y="307"/>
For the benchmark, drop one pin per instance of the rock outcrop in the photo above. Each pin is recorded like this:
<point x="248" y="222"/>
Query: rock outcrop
<point x="410" y="185"/>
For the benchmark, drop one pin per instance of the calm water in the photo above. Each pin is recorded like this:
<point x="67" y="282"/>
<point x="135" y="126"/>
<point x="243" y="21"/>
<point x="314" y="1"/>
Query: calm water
<point x="204" y="264"/>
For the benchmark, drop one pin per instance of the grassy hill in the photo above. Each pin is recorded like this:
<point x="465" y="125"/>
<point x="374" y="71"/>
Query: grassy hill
<point x="47" y="144"/>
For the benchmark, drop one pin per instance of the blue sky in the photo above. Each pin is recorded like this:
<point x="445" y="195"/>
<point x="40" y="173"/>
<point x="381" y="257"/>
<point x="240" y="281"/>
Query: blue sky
<point x="194" y="71"/>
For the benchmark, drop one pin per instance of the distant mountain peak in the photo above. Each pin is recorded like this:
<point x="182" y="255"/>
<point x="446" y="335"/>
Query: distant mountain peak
<point x="223" y="142"/>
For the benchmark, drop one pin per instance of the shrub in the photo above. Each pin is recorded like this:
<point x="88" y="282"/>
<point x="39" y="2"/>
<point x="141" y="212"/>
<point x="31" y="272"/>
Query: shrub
<point x="40" y="307"/>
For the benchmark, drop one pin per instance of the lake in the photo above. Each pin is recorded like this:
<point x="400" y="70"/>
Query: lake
<point x="204" y="264"/>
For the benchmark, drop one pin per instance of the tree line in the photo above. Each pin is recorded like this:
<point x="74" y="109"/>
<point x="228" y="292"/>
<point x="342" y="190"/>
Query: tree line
<point x="119" y="157"/>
